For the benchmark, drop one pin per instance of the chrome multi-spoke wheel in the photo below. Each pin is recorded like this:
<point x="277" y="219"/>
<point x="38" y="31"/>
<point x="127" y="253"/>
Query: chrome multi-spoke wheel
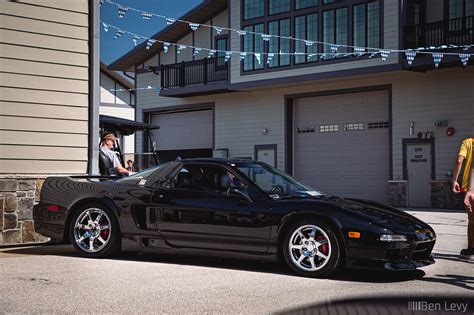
<point x="309" y="247"/>
<point x="94" y="231"/>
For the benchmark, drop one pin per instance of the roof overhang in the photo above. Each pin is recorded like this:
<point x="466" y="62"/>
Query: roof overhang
<point x="114" y="75"/>
<point x="172" y="33"/>
<point x="123" y="126"/>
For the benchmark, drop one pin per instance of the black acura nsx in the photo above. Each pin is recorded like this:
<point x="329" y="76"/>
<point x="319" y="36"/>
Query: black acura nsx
<point x="230" y="208"/>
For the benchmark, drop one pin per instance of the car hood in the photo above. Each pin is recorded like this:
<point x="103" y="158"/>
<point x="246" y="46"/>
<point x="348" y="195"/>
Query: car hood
<point x="385" y="216"/>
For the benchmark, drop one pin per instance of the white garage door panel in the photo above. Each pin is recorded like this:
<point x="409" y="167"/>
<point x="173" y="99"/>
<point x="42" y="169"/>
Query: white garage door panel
<point x="352" y="163"/>
<point x="183" y="131"/>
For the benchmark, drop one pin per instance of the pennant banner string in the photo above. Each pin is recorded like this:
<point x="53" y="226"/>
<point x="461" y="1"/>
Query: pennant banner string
<point x="266" y="37"/>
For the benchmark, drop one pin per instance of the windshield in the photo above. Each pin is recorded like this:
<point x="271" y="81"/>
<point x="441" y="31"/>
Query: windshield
<point x="143" y="175"/>
<point x="274" y="182"/>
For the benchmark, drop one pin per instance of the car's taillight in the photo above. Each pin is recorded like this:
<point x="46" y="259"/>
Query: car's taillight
<point x="53" y="208"/>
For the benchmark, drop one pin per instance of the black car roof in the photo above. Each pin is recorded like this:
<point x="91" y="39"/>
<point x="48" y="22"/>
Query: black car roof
<point x="217" y="160"/>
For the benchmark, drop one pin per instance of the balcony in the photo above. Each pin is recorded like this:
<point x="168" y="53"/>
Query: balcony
<point x="197" y="77"/>
<point x="451" y="33"/>
<point x="448" y="32"/>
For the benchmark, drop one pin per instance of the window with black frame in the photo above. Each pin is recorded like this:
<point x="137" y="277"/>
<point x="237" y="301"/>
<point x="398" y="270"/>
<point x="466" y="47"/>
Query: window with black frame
<point x="279" y="45"/>
<point x="253" y="43"/>
<point x="221" y="47"/>
<point x="460" y="14"/>
<point x="335" y="31"/>
<point x="253" y="9"/>
<point x="366" y="24"/>
<point x="306" y="27"/>
<point x="278" y="6"/>
<point x="303" y="4"/>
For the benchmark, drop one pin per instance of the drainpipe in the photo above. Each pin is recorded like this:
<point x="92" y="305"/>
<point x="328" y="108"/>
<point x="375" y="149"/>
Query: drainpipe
<point x="94" y="87"/>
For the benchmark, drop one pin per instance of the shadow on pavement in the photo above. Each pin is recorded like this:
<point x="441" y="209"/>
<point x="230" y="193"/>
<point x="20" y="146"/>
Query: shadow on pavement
<point x="464" y="282"/>
<point x="452" y="257"/>
<point x="373" y="276"/>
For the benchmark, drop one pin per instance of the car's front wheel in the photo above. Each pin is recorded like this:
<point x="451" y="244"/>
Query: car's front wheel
<point x="311" y="249"/>
<point x="94" y="231"/>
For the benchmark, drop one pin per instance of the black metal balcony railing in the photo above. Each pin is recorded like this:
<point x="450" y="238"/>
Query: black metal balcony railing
<point x="448" y="32"/>
<point x="194" y="72"/>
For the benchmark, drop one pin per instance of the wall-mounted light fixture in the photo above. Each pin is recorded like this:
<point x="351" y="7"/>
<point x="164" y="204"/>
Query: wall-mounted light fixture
<point x="412" y="128"/>
<point x="440" y="123"/>
<point x="265" y="131"/>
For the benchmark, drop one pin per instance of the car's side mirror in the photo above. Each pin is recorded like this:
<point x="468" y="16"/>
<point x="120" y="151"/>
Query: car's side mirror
<point x="239" y="193"/>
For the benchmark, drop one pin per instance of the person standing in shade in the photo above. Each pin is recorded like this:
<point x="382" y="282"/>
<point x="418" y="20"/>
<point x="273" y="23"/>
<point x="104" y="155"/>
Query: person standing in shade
<point x="107" y="144"/>
<point x="465" y="156"/>
<point x="130" y="166"/>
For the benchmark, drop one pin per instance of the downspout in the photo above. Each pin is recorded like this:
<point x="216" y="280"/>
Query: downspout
<point x="94" y="86"/>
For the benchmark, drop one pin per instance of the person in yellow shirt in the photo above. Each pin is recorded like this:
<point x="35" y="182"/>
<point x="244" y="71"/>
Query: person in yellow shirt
<point x="465" y="153"/>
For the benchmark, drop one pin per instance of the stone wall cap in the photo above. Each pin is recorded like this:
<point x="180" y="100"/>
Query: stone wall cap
<point x="398" y="181"/>
<point x="34" y="176"/>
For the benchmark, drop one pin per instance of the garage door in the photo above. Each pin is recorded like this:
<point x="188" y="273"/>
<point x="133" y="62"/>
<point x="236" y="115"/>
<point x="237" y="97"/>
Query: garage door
<point x="185" y="134"/>
<point x="342" y="144"/>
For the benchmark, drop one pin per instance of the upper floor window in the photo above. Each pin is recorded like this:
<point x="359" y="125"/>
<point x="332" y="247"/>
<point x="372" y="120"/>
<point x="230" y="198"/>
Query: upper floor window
<point x="253" y="43"/>
<point x="278" y="44"/>
<point x="254" y="9"/>
<point x="329" y="1"/>
<point x="335" y="30"/>
<point x="366" y="25"/>
<point x="460" y="8"/>
<point x="302" y="4"/>
<point x="221" y="46"/>
<point x="278" y="6"/>
<point x="306" y="27"/>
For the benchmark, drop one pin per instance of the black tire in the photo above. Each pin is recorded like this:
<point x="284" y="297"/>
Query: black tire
<point x="320" y="268"/>
<point x="112" y="235"/>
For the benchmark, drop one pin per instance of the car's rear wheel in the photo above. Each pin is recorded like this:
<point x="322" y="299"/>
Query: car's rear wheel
<point x="94" y="231"/>
<point x="311" y="249"/>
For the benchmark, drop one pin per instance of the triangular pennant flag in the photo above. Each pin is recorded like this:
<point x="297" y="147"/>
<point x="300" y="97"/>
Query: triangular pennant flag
<point x="467" y="47"/>
<point x="258" y="57"/>
<point x="121" y="11"/>
<point x="360" y="51"/>
<point x="241" y="33"/>
<point x="228" y="54"/>
<point x="266" y="37"/>
<point x="193" y="26"/>
<point x="170" y="21"/>
<point x="410" y="55"/>
<point x="181" y="47"/>
<point x="218" y="29"/>
<point x="453" y="46"/>
<point x="118" y="34"/>
<point x="464" y="59"/>
<point x="309" y="42"/>
<point x="310" y="56"/>
<point x="149" y="87"/>
<point x="437" y="59"/>
<point x="101" y="2"/>
<point x="135" y="39"/>
<point x="211" y="53"/>
<point x="334" y="48"/>
<point x="106" y="27"/>
<point x="166" y="45"/>
<point x="270" y="57"/>
<point x="150" y="43"/>
<point x="375" y="53"/>
<point x="242" y="56"/>
<point x="146" y="15"/>
<point x="384" y="53"/>
<point x="196" y="51"/>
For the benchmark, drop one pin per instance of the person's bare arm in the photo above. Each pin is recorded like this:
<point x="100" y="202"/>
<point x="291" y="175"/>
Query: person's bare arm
<point x="457" y="169"/>
<point x="469" y="198"/>
<point x="122" y="170"/>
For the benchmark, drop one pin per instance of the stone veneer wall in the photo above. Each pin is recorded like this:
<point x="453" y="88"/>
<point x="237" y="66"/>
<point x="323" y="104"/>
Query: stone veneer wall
<point x="18" y="194"/>
<point x="397" y="193"/>
<point x="443" y="197"/>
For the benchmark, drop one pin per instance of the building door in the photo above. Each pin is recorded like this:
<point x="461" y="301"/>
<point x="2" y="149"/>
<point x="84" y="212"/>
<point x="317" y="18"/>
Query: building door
<point x="342" y="144"/>
<point x="418" y="170"/>
<point x="183" y="134"/>
<point x="266" y="153"/>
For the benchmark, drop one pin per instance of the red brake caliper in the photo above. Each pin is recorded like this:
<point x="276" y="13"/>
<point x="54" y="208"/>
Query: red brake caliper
<point x="105" y="232"/>
<point x="323" y="248"/>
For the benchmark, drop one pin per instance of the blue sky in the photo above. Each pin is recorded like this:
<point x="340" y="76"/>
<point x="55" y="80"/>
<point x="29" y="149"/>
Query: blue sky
<point x="133" y="22"/>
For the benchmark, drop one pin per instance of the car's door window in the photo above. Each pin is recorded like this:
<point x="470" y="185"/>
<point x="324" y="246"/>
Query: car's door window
<point x="206" y="178"/>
